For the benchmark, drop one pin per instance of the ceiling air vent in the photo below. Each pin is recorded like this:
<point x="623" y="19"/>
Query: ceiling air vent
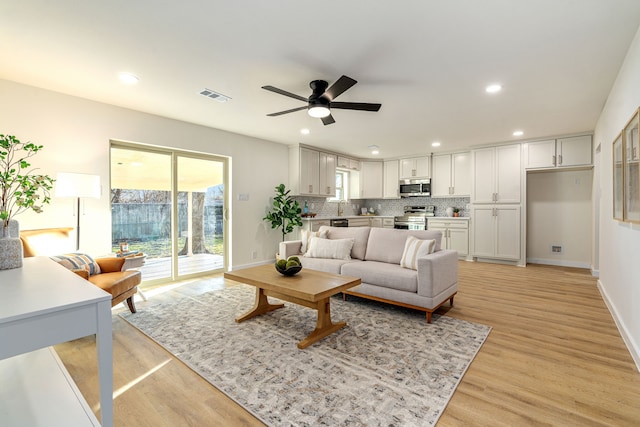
<point x="214" y="95"/>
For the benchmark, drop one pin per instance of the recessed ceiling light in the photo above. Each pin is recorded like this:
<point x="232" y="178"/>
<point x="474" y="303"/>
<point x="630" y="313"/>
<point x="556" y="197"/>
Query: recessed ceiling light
<point x="518" y="133"/>
<point x="129" y="78"/>
<point x="374" y="149"/>
<point x="493" y="88"/>
<point x="435" y="144"/>
<point x="304" y="131"/>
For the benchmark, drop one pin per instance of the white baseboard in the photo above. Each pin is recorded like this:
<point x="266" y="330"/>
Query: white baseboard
<point x="253" y="264"/>
<point x="632" y="346"/>
<point x="560" y="263"/>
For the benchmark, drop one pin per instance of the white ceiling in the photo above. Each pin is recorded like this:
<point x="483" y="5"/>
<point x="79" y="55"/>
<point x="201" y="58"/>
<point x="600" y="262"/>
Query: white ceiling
<point x="426" y="61"/>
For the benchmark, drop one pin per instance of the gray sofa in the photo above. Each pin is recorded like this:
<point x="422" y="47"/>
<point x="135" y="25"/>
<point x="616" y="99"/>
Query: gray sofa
<point x="375" y="258"/>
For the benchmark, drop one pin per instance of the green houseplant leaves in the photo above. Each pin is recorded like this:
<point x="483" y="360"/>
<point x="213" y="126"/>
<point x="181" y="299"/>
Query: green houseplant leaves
<point x="285" y="212"/>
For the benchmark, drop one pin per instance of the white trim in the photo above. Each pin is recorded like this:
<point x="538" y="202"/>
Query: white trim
<point x="633" y="348"/>
<point x="561" y="263"/>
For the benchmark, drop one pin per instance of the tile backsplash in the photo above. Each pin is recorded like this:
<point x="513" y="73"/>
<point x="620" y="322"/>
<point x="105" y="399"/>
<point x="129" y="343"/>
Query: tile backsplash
<point x="386" y="207"/>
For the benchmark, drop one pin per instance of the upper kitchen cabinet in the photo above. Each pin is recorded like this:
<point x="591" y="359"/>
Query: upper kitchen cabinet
<point x="391" y="174"/>
<point x="347" y="163"/>
<point x="415" y="167"/>
<point x="311" y="172"/>
<point x="451" y="175"/>
<point x="371" y="176"/>
<point x="327" y="174"/>
<point x="559" y="153"/>
<point x="496" y="173"/>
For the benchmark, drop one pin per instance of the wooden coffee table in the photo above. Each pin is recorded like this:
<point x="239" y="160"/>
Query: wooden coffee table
<point x="310" y="288"/>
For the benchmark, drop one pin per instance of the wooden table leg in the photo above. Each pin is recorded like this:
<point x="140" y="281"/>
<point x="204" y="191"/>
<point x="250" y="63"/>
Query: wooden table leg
<point x="324" y="326"/>
<point x="260" y="307"/>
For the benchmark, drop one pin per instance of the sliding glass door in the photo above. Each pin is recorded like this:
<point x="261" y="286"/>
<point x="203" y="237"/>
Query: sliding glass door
<point x="170" y="206"/>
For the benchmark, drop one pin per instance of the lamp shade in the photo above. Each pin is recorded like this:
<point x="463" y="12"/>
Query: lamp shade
<point x="77" y="185"/>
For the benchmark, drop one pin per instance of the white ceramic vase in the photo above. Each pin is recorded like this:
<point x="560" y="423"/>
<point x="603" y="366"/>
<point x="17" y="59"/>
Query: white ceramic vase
<point x="450" y="211"/>
<point x="10" y="246"/>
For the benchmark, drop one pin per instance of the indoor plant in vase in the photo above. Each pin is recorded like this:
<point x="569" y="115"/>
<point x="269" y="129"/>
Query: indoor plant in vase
<point x="285" y="213"/>
<point x="20" y="190"/>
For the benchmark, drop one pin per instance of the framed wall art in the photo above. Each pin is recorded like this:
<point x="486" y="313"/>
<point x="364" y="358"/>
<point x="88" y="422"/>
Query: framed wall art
<point x="631" y="172"/>
<point x="618" y="179"/>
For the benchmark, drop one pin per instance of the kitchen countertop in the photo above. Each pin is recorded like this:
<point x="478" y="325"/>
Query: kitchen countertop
<point x="326" y="217"/>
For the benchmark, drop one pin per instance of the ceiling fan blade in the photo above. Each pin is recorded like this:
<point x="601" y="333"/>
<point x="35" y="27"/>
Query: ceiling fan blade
<point x="328" y="120"/>
<point x="362" y="106"/>
<point x="341" y="85"/>
<point x="285" y="93"/>
<point x="287" y="111"/>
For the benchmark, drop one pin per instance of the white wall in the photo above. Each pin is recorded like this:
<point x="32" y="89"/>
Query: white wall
<point x="76" y="132"/>
<point x="559" y="213"/>
<point x="619" y="252"/>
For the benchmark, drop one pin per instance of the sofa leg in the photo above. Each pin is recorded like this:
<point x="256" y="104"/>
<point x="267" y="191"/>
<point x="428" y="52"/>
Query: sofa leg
<point x="131" y="305"/>
<point x="451" y="301"/>
<point x="429" y="313"/>
<point x="344" y="296"/>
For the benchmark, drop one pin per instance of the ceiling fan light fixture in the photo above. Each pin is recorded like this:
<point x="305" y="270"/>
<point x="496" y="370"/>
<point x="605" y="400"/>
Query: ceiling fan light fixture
<point x="319" y="111"/>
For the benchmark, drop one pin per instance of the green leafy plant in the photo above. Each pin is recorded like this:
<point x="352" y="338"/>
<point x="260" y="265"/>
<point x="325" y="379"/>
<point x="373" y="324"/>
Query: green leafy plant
<point x="285" y="213"/>
<point x="20" y="188"/>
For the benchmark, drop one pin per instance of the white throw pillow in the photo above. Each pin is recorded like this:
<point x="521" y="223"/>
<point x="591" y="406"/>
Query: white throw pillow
<point x="328" y="248"/>
<point x="306" y="238"/>
<point x="415" y="248"/>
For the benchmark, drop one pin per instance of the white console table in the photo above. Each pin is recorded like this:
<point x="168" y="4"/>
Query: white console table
<point x="42" y="304"/>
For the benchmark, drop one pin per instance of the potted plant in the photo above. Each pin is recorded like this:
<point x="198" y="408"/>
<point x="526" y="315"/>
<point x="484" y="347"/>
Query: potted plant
<point x="456" y="212"/>
<point x="20" y="190"/>
<point x="285" y="213"/>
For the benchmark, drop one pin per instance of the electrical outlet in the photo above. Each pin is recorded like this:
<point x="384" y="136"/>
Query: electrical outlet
<point x="254" y="254"/>
<point x="313" y="205"/>
<point x="556" y="249"/>
<point x="379" y="206"/>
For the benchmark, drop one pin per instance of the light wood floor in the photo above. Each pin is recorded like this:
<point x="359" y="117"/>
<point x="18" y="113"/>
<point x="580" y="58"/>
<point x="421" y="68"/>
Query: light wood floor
<point x="554" y="357"/>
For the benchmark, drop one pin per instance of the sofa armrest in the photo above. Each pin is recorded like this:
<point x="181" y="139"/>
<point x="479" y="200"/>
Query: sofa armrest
<point x="289" y="248"/>
<point x="437" y="272"/>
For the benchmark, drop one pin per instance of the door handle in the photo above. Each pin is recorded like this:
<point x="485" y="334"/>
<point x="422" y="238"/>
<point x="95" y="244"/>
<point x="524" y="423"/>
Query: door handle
<point x="559" y="159"/>
<point x="553" y="160"/>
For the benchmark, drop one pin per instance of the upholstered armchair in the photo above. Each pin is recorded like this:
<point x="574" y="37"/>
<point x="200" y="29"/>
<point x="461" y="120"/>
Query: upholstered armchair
<point x="105" y="273"/>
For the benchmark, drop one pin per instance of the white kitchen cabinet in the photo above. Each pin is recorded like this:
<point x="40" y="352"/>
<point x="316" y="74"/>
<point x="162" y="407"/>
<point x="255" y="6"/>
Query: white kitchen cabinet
<point x="376" y="222"/>
<point x="415" y="167"/>
<point x="359" y="222"/>
<point x="496" y="231"/>
<point x="451" y="175"/>
<point x="496" y="173"/>
<point x="371" y="174"/>
<point x="455" y="233"/>
<point x="559" y="153"/>
<point x="391" y="174"/>
<point x="348" y="163"/>
<point x="327" y="166"/>
<point x="314" y="224"/>
<point x="388" y="223"/>
<point x="311" y="172"/>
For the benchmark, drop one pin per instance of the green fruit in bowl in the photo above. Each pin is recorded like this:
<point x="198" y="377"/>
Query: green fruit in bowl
<point x="282" y="264"/>
<point x="292" y="263"/>
<point x="294" y="258"/>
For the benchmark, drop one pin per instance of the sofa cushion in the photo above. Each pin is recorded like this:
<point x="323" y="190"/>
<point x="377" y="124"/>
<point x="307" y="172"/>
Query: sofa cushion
<point x="306" y="238"/>
<point x="323" y="264"/>
<point x="387" y="244"/>
<point x="359" y="234"/>
<point x="78" y="261"/>
<point x="332" y="249"/>
<point x="383" y="274"/>
<point x="415" y="248"/>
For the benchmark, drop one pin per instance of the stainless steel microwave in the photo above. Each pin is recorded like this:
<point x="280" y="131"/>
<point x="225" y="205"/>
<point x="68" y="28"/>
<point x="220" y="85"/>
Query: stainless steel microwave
<point x="415" y="187"/>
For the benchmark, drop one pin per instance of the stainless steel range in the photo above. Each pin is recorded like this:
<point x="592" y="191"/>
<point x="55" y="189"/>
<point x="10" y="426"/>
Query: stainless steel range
<point x="414" y="218"/>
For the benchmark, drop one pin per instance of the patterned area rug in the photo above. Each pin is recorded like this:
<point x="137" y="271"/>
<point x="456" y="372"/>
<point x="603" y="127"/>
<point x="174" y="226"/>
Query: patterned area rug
<point x="387" y="367"/>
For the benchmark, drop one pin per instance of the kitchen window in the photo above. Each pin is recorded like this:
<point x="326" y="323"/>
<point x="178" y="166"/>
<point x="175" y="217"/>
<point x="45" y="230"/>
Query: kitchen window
<point x="342" y="187"/>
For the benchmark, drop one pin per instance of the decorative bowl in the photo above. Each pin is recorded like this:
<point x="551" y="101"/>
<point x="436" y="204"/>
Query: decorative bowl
<point x="289" y="271"/>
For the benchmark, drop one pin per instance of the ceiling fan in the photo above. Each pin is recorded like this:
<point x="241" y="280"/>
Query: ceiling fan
<point x="320" y="103"/>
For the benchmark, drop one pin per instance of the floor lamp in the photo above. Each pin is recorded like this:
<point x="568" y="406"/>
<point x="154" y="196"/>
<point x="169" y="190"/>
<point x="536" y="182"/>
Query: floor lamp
<point x="77" y="185"/>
